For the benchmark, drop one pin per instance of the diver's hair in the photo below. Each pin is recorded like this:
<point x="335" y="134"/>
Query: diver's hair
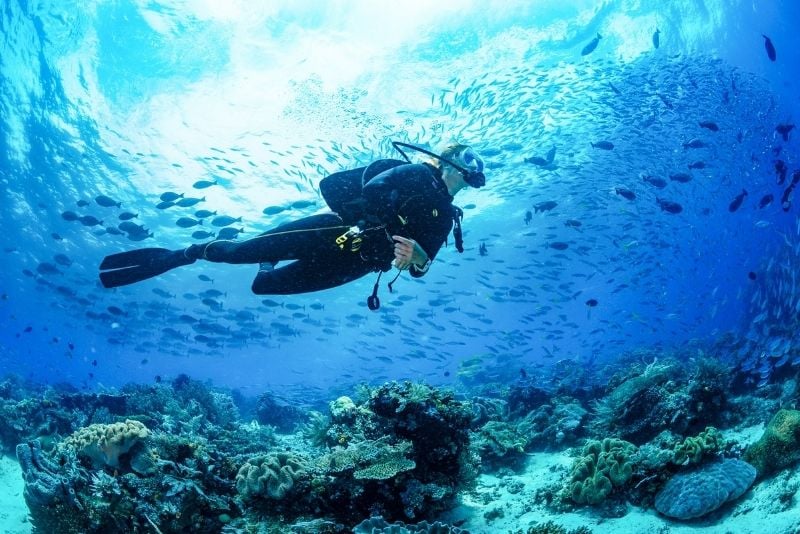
<point x="451" y="152"/>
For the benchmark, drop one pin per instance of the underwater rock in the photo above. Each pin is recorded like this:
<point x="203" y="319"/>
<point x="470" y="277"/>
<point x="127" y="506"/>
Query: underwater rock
<point x="700" y="492"/>
<point x="779" y="446"/>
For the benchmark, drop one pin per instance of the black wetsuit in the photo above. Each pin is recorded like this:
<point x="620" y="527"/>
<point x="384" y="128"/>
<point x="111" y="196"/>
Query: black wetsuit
<point x="408" y="200"/>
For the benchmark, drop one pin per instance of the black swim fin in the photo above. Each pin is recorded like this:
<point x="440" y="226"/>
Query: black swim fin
<point x="136" y="265"/>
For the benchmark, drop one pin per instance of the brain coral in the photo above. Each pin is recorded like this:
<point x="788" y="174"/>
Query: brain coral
<point x="104" y="444"/>
<point x="697" y="493"/>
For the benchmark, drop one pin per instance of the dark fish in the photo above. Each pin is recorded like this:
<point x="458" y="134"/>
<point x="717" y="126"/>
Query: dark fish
<point x="751" y="275"/>
<point x="572" y="223"/>
<point x="202" y="214"/>
<point x="303" y="204"/>
<point x="202" y="184"/>
<point x="165" y="204"/>
<point x="482" y="250"/>
<point x="205" y="278"/>
<point x="56" y="236"/>
<point x="127" y="216"/>
<point x="113" y="230"/>
<point x="784" y="130"/>
<point x="187" y="222"/>
<point x="694" y="143"/>
<point x="47" y="268"/>
<point x="737" y="202"/>
<point x="225" y="220"/>
<point x="765" y="201"/>
<point x="559" y="245"/>
<point x="770" y="48"/>
<point x="709" y="125"/>
<point x="544" y="206"/>
<point x="551" y="155"/>
<point x="140" y="236"/>
<point x="589" y="48"/>
<point x="591" y="303"/>
<point x="62" y="259"/>
<point x="69" y="216"/>
<point x="655" y="181"/>
<point x="89" y="220"/>
<point x="656" y="42"/>
<point x="603" y="145"/>
<point x="229" y="233"/>
<point x="131" y="227"/>
<point x="536" y="160"/>
<point x="528" y="217"/>
<point x="170" y="196"/>
<point x="201" y="234"/>
<point x="107" y="202"/>
<point x="666" y="102"/>
<point x="114" y="310"/>
<point x="82" y="203"/>
<point x="626" y="193"/>
<point x="681" y="177"/>
<point x="669" y="206"/>
<point x="786" y="202"/>
<point x="697" y="165"/>
<point x="780" y="171"/>
<point x="617" y="91"/>
<point x="273" y="210"/>
<point x="189" y="202"/>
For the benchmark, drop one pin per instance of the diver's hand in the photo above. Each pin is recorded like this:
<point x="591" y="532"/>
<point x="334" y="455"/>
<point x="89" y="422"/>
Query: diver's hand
<point x="406" y="252"/>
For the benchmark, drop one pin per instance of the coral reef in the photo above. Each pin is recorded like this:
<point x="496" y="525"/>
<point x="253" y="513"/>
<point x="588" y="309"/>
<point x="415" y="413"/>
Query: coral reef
<point x="103" y="444"/>
<point x="694" y="494"/>
<point x="272" y="476"/>
<point x="692" y="450"/>
<point x="779" y="446"/>
<point x="602" y="466"/>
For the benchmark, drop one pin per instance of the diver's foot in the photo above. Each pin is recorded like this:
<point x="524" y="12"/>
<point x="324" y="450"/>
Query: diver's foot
<point x="266" y="267"/>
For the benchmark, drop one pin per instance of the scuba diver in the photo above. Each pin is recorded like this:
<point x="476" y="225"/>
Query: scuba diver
<point x="390" y="211"/>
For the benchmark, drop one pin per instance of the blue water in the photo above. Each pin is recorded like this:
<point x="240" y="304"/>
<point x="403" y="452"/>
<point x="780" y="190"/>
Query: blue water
<point x="134" y="99"/>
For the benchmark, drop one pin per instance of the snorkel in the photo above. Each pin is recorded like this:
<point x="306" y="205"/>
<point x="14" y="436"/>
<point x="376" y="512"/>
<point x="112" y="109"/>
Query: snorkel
<point x="473" y="175"/>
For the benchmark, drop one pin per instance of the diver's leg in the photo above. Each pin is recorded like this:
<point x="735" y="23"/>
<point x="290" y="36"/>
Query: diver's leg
<point x="305" y="275"/>
<point x="303" y="238"/>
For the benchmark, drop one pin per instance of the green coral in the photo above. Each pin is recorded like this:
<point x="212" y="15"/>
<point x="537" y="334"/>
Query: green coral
<point x="272" y="476"/>
<point x="602" y="466"/>
<point x="104" y="444"/>
<point x="779" y="446"/>
<point x="370" y="459"/>
<point x="693" y="449"/>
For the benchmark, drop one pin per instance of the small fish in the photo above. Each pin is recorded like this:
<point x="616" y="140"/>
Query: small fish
<point x="669" y="206"/>
<point x="751" y="275"/>
<point x="202" y="184"/>
<point x="229" y="233"/>
<point x="205" y="278"/>
<point x="737" y="202"/>
<point x="709" y="125"/>
<point x="603" y="145"/>
<point x="189" y="202"/>
<point x="47" y="268"/>
<point x="626" y="193"/>
<point x="114" y="310"/>
<point x="681" y="177"/>
<point x="536" y="160"/>
<point x="202" y="214"/>
<point x="201" y="234"/>
<point x="780" y="171"/>
<point x="544" y="206"/>
<point x="170" y="196"/>
<point x="56" y="236"/>
<point x="302" y="204"/>
<point x="655" y="181"/>
<point x="591" y="303"/>
<point x="694" y="143"/>
<point x="62" y="259"/>
<point x="165" y="204"/>
<point x="113" y="230"/>
<point x="558" y="245"/>
<point x="107" y="202"/>
<point x="784" y="130"/>
<point x="82" y="203"/>
<point x="765" y="201"/>
<point x="482" y="250"/>
<point x="69" y="216"/>
<point x="127" y="216"/>
<point x="589" y="48"/>
<point x="697" y="165"/>
<point x="656" y="40"/>
<point x="187" y="222"/>
<point x="273" y="210"/>
<point x="770" y="48"/>
<point x="225" y="220"/>
<point x="89" y="220"/>
<point x="551" y="155"/>
<point x="572" y="223"/>
<point x="528" y="217"/>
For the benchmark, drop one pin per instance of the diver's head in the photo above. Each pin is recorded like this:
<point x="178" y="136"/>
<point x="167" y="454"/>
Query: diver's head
<point x="464" y="160"/>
